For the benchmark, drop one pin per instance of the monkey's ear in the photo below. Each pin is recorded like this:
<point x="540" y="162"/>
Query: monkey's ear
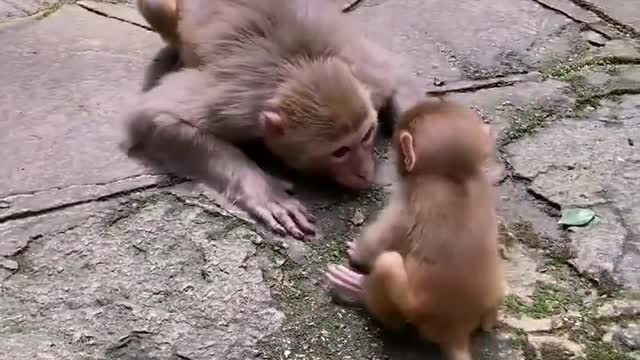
<point x="406" y="144"/>
<point x="272" y="122"/>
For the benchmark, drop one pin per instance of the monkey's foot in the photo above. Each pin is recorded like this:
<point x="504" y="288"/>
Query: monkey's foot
<point x="351" y="249"/>
<point x="346" y="284"/>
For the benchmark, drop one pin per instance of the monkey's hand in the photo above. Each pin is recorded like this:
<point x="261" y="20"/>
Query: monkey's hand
<point x="346" y="285"/>
<point x="272" y="204"/>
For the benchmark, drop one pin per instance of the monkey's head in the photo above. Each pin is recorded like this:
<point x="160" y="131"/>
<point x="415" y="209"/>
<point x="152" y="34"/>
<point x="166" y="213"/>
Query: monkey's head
<point x="321" y="121"/>
<point x="442" y="138"/>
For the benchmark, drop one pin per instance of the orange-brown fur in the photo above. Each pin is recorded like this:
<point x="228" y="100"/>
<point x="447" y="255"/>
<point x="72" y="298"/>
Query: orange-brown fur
<point x="432" y="253"/>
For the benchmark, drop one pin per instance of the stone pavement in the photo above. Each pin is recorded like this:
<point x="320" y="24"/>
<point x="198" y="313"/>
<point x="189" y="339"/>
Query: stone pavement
<point x="102" y="259"/>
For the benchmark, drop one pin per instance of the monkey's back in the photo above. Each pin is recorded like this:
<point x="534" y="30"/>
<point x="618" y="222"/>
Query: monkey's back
<point x="453" y="262"/>
<point x="250" y="45"/>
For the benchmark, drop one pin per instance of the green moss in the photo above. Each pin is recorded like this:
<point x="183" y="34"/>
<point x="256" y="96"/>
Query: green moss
<point x="522" y="232"/>
<point x="547" y="300"/>
<point x="520" y="340"/>
<point x="525" y="121"/>
<point x="604" y="351"/>
<point x="554" y="352"/>
<point x="569" y="71"/>
<point x="50" y="10"/>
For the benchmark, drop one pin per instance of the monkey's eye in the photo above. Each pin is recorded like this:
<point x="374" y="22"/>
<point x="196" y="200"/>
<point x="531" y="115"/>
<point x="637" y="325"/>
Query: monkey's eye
<point x="341" y="152"/>
<point x="367" y="136"/>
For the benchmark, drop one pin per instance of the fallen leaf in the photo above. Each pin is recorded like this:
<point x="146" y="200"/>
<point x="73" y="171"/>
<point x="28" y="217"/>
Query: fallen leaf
<point x="576" y="217"/>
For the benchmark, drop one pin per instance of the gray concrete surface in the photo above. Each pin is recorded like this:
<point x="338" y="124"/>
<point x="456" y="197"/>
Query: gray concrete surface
<point x="101" y="259"/>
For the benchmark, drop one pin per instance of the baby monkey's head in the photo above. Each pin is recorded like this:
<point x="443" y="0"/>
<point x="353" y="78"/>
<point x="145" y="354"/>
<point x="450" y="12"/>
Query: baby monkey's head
<point x="321" y="121"/>
<point x="439" y="137"/>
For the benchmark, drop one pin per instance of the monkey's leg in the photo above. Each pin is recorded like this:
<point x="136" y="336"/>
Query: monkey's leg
<point x="489" y="320"/>
<point x="166" y="61"/>
<point x="387" y="292"/>
<point x="458" y="349"/>
<point x="162" y="16"/>
<point x="161" y="131"/>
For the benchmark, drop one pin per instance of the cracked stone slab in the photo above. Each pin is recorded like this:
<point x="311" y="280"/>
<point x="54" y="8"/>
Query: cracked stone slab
<point x="15" y="9"/>
<point x="152" y="278"/>
<point x="479" y="38"/>
<point x="593" y="162"/>
<point x="580" y="14"/>
<point x="82" y="78"/>
<point x="115" y="10"/>
<point x="619" y="10"/>
<point x="497" y="103"/>
<point x="622" y="78"/>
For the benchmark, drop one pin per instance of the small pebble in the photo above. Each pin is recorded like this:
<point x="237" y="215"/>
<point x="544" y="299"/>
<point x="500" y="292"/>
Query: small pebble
<point x="9" y="264"/>
<point x="594" y="38"/>
<point x="358" y="218"/>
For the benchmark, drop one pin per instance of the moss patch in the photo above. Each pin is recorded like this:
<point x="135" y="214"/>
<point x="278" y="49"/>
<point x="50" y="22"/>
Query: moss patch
<point x="49" y="10"/>
<point x="547" y="300"/>
<point x="569" y="72"/>
<point x="525" y="121"/>
<point x="554" y="352"/>
<point x="523" y="232"/>
<point x="604" y="351"/>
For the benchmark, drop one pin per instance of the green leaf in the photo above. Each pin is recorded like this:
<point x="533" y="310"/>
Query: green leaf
<point x="576" y="217"/>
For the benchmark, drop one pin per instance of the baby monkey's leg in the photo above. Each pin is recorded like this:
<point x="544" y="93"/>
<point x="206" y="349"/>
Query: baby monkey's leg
<point x="387" y="292"/>
<point x="162" y="15"/>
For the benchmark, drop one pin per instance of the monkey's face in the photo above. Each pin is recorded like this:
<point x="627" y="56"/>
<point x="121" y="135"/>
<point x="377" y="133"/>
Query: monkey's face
<point x="348" y="158"/>
<point x="352" y="162"/>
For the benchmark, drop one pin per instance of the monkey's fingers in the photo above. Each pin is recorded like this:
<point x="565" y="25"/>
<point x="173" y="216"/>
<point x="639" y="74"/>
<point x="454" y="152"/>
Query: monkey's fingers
<point x="299" y="214"/>
<point x="346" y="276"/>
<point x="267" y="217"/>
<point x="342" y="287"/>
<point x="285" y="219"/>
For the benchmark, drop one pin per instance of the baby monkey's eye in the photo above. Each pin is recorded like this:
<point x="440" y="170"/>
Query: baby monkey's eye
<point x="367" y="136"/>
<point x="341" y="152"/>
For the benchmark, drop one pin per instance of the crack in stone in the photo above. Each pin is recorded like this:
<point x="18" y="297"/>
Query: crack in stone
<point x="603" y="15"/>
<point x="628" y="237"/>
<point x="568" y="15"/>
<point x="30" y="213"/>
<point x="22" y="250"/>
<point x="55" y="189"/>
<point x="103" y="14"/>
<point x="544" y="199"/>
<point x="482" y="84"/>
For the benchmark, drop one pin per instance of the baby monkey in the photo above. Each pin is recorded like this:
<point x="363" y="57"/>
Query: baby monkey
<point x="432" y="255"/>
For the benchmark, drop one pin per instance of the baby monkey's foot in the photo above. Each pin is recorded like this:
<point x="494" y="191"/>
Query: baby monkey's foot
<point x="345" y="284"/>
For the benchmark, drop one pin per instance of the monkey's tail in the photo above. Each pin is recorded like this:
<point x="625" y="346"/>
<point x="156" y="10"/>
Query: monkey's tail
<point x="391" y="281"/>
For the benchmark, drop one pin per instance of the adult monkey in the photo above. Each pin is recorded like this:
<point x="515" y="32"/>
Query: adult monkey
<point x="294" y="74"/>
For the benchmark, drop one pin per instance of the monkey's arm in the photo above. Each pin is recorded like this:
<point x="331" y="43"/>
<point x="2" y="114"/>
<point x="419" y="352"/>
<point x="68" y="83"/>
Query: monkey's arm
<point x="377" y="237"/>
<point x="161" y="131"/>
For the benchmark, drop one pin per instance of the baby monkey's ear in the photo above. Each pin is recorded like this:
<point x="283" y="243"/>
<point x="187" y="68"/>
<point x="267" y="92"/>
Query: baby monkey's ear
<point x="409" y="154"/>
<point x="272" y="122"/>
